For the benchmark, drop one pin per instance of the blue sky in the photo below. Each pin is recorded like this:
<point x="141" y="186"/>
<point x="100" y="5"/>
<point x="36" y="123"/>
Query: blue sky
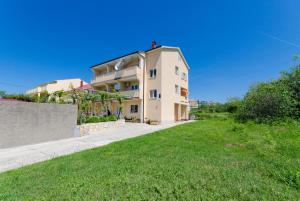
<point x="229" y="45"/>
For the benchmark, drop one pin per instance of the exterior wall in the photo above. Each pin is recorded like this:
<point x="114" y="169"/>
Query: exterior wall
<point x="153" y="106"/>
<point x="24" y="123"/>
<point x="170" y="59"/>
<point x="59" y="85"/>
<point x="126" y="109"/>
<point x="65" y="85"/>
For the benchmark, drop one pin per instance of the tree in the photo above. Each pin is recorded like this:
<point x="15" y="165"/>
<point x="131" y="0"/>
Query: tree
<point x="58" y="96"/>
<point x="232" y="105"/>
<point x="266" y="101"/>
<point x="87" y="103"/>
<point x="291" y="79"/>
<point x="2" y="93"/>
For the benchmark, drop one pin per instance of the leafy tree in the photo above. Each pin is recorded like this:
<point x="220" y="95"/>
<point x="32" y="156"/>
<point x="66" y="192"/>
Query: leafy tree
<point x="291" y="79"/>
<point x="232" y="105"/>
<point x="266" y="101"/>
<point x="87" y="103"/>
<point x="2" y="93"/>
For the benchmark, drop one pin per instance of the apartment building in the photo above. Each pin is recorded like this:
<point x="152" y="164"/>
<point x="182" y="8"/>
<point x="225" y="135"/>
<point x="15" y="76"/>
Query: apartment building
<point x="154" y="81"/>
<point x="57" y="85"/>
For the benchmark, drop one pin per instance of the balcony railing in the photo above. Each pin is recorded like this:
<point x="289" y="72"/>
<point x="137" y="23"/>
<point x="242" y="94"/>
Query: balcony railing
<point x="131" y="93"/>
<point x="115" y="75"/>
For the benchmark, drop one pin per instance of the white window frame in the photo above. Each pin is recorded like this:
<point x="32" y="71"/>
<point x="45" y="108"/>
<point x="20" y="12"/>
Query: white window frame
<point x="176" y="70"/>
<point x="117" y="86"/>
<point x="134" y="109"/>
<point x="176" y="89"/>
<point x="153" y="94"/>
<point x="153" y="75"/>
<point x="135" y="87"/>
<point x="183" y="76"/>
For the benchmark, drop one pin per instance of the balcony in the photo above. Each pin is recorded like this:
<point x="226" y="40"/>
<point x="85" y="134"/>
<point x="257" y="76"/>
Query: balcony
<point x="130" y="72"/>
<point x="131" y="93"/>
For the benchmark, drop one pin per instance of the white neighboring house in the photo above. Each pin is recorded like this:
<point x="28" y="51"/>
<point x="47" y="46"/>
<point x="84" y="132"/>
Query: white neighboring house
<point x="57" y="85"/>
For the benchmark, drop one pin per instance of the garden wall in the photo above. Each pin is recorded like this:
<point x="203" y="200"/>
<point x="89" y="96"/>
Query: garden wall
<point x="23" y="123"/>
<point x="86" y="129"/>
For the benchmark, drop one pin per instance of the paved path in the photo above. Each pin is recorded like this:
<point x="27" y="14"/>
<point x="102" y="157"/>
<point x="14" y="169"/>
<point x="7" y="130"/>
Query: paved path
<point x="16" y="157"/>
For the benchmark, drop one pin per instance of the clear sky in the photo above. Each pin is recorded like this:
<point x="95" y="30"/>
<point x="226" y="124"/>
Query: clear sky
<point x="228" y="44"/>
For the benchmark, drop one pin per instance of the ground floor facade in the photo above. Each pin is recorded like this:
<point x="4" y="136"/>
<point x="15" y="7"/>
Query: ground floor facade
<point x="137" y="111"/>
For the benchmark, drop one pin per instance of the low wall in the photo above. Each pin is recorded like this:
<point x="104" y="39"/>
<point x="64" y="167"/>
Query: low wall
<point x="91" y="128"/>
<point x="23" y="123"/>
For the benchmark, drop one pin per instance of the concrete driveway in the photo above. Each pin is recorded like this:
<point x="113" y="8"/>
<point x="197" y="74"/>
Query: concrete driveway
<point x="16" y="157"/>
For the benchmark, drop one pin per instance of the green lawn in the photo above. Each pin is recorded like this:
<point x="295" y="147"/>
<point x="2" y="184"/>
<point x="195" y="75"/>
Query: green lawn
<point x="214" y="159"/>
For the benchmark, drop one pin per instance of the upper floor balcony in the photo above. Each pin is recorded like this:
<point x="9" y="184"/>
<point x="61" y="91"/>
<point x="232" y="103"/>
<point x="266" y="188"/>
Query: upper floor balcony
<point x="128" y="73"/>
<point x="131" y="93"/>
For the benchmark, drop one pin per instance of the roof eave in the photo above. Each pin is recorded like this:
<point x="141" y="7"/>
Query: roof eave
<point x="108" y="61"/>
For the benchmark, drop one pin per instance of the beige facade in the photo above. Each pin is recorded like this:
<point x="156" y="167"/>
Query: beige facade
<point x="155" y="83"/>
<point x="57" y="85"/>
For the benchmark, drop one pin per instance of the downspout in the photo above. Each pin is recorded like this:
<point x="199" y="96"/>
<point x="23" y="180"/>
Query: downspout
<point x="144" y="67"/>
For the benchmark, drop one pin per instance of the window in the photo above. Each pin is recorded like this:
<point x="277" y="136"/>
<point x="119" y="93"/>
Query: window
<point x="133" y="108"/>
<point x="176" y="89"/>
<point x="135" y="87"/>
<point x="153" y="73"/>
<point x="183" y="76"/>
<point x="153" y="93"/>
<point x="117" y="86"/>
<point x="176" y="70"/>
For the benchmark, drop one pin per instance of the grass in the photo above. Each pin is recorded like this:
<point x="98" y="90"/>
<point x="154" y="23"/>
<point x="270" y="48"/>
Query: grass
<point x="213" y="159"/>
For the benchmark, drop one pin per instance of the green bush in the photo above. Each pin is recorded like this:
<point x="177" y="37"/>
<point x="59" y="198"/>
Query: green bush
<point x="266" y="102"/>
<point x="232" y="105"/>
<point x="204" y="116"/>
<point x="94" y="119"/>
<point x="273" y="101"/>
<point x="291" y="79"/>
<point x="112" y="118"/>
<point x="97" y="119"/>
<point x="21" y="97"/>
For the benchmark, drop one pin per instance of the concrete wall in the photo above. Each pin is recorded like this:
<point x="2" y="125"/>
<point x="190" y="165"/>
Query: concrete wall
<point x="24" y="123"/>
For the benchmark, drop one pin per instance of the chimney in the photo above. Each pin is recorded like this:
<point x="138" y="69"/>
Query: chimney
<point x="81" y="83"/>
<point x="153" y="44"/>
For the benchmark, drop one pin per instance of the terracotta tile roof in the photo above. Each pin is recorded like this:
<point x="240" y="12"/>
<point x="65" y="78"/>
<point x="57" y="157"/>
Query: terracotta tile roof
<point x="84" y="87"/>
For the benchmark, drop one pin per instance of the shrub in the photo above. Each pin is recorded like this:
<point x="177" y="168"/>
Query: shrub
<point x="203" y="116"/>
<point x="273" y="101"/>
<point x="291" y="79"/>
<point x="112" y="118"/>
<point x="266" y="102"/>
<point x="97" y="119"/>
<point x="94" y="119"/>
<point x="2" y="93"/>
<point x="232" y="105"/>
<point x="21" y="97"/>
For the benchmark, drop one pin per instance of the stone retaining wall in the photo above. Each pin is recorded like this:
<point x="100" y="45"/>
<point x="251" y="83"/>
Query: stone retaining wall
<point x="92" y="128"/>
